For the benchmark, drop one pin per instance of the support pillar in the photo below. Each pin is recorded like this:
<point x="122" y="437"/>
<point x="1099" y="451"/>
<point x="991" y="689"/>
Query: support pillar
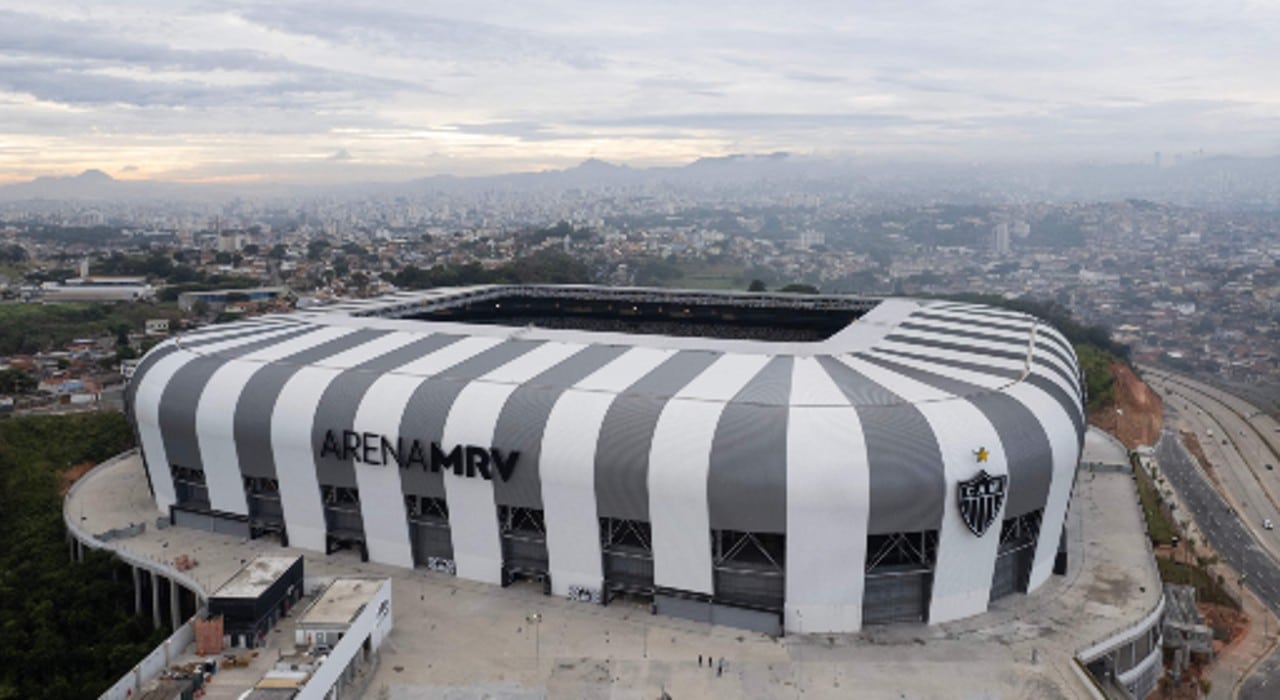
<point x="175" y="604"/>
<point x="137" y="590"/>
<point x="155" y="599"/>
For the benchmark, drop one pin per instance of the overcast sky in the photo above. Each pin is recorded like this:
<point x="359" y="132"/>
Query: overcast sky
<point x="321" y="91"/>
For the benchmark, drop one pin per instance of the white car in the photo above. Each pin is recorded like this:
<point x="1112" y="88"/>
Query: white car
<point x="1267" y="524"/>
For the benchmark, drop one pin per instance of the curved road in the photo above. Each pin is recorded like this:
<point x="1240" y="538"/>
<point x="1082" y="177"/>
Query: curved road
<point x="1217" y="520"/>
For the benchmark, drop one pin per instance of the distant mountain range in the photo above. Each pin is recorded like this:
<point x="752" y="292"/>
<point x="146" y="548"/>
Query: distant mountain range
<point x="1252" y="181"/>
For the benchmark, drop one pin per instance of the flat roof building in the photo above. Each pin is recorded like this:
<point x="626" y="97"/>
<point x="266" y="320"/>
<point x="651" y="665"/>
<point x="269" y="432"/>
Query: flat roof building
<point x="255" y="599"/>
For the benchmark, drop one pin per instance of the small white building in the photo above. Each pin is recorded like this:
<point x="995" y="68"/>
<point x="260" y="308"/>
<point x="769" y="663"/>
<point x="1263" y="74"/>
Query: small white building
<point x="344" y="628"/>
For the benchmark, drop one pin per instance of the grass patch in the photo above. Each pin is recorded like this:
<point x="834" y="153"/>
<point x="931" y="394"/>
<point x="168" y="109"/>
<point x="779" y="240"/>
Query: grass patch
<point x="1159" y="528"/>
<point x="30" y="328"/>
<point x="698" y="275"/>
<point x="1208" y="590"/>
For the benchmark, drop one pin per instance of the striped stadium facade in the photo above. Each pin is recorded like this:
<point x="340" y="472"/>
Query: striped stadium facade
<point x="779" y="485"/>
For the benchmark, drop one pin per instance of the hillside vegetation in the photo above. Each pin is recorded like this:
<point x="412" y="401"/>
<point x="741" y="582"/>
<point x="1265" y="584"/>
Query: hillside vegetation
<point x="67" y="631"/>
<point x="31" y="328"/>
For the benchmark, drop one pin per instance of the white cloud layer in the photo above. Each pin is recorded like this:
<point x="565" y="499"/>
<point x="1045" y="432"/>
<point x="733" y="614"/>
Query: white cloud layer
<point x="330" y="91"/>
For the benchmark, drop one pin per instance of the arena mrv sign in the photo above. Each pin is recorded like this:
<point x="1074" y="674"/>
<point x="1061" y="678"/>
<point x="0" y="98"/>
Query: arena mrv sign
<point x="375" y="448"/>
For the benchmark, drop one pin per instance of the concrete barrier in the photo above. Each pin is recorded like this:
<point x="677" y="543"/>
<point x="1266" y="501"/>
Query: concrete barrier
<point x="160" y="657"/>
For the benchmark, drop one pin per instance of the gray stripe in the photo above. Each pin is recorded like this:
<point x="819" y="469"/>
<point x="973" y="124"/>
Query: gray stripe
<point x="1018" y="355"/>
<point x="1068" y="403"/>
<point x="1038" y="360"/>
<point x="908" y="484"/>
<point x="181" y="399"/>
<point x="1051" y="349"/>
<point x="192" y="343"/>
<point x="982" y="310"/>
<point x="524" y="418"/>
<point x="1072" y="405"/>
<point x="252" y="421"/>
<point x="202" y="331"/>
<point x="341" y="400"/>
<point x="1022" y="437"/>
<point x="1057" y="345"/>
<point x="747" y="481"/>
<point x="140" y="372"/>
<point x="1021" y="342"/>
<point x="1023" y="324"/>
<point x="626" y="435"/>
<point x="429" y="405"/>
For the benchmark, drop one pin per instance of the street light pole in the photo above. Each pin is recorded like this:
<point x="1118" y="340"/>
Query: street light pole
<point x="535" y="619"/>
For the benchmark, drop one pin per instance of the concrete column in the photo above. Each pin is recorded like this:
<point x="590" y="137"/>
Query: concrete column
<point x="137" y="590"/>
<point x="175" y="604"/>
<point x="155" y="599"/>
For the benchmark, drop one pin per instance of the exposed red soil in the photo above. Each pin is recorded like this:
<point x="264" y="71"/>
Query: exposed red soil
<point x="1141" y="415"/>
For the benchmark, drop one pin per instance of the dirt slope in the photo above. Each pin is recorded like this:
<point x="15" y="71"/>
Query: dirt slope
<point x="1141" y="414"/>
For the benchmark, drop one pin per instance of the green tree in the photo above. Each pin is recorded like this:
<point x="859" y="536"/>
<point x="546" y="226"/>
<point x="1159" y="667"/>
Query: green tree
<point x="15" y="381"/>
<point x="757" y="286"/>
<point x="316" y="248"/>
<point x="66" y="629"/>
<point x="1099" y="380"/>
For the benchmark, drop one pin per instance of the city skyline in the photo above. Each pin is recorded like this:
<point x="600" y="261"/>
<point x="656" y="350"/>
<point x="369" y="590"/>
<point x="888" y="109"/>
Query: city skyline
<point x="328" y="93"/>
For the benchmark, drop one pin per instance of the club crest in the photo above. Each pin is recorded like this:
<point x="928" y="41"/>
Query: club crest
<point x="980" y="500"/>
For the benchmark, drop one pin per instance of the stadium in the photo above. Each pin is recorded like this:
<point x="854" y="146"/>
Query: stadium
<point x="777" y="462"/>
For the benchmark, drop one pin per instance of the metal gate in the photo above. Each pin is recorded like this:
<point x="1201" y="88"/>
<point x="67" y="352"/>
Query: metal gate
<point x="524" y="542"/>
<point x="1013" y="571"/>
<point x="1016" y="555"/>
<point x="896" y="597"/>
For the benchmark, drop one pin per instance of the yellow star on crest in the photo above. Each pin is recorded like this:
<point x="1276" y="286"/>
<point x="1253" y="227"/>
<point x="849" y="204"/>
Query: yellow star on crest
<point x="982" y="454"/>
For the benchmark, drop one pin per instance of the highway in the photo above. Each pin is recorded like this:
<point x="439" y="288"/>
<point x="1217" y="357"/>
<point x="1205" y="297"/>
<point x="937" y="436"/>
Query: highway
<point x="1237" y="440"/>
<point x="1240" y="465"/>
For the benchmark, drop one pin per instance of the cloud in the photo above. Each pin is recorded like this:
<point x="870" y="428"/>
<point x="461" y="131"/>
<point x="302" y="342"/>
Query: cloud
<point x="754" y="121"/>
<point x="209" y="84"/>
<point x="421" y="34"/>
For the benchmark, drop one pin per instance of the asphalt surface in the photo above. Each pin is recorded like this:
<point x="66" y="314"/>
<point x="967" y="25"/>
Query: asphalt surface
<point x="1233" y="542"/>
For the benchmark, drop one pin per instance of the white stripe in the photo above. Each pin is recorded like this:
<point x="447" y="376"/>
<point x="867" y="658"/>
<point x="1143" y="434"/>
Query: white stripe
<point x="1043" y="353"/>
<point x="1063" y="444"/>
<point x="567" y="468"/>
<point x="473" y="523"/>
<point x="1014" y="345"/>
<point x="988" y="381"/>
<point x="386" y="523"/>
<point x="215" y="434"/>
<point x="292" y="422"/>
<point x="965" y="564"/>
<point x="979" y="312"/>
<point x="146" y="409"/>
<point x="828" y="502"/>
<point x="971" y="326"/>
<point x="446" y="357"/>
<point x="1016" y="365"/>
<point x="367" y="351"/>
<point x="215" y="416"/>
<point x="980" y="360"/>
<point x="1065" y="448"/>
<point x="679" y="461"/>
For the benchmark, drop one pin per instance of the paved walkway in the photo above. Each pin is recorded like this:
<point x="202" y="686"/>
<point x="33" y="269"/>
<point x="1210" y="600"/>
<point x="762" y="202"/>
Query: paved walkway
<point x="460" y="639"/>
